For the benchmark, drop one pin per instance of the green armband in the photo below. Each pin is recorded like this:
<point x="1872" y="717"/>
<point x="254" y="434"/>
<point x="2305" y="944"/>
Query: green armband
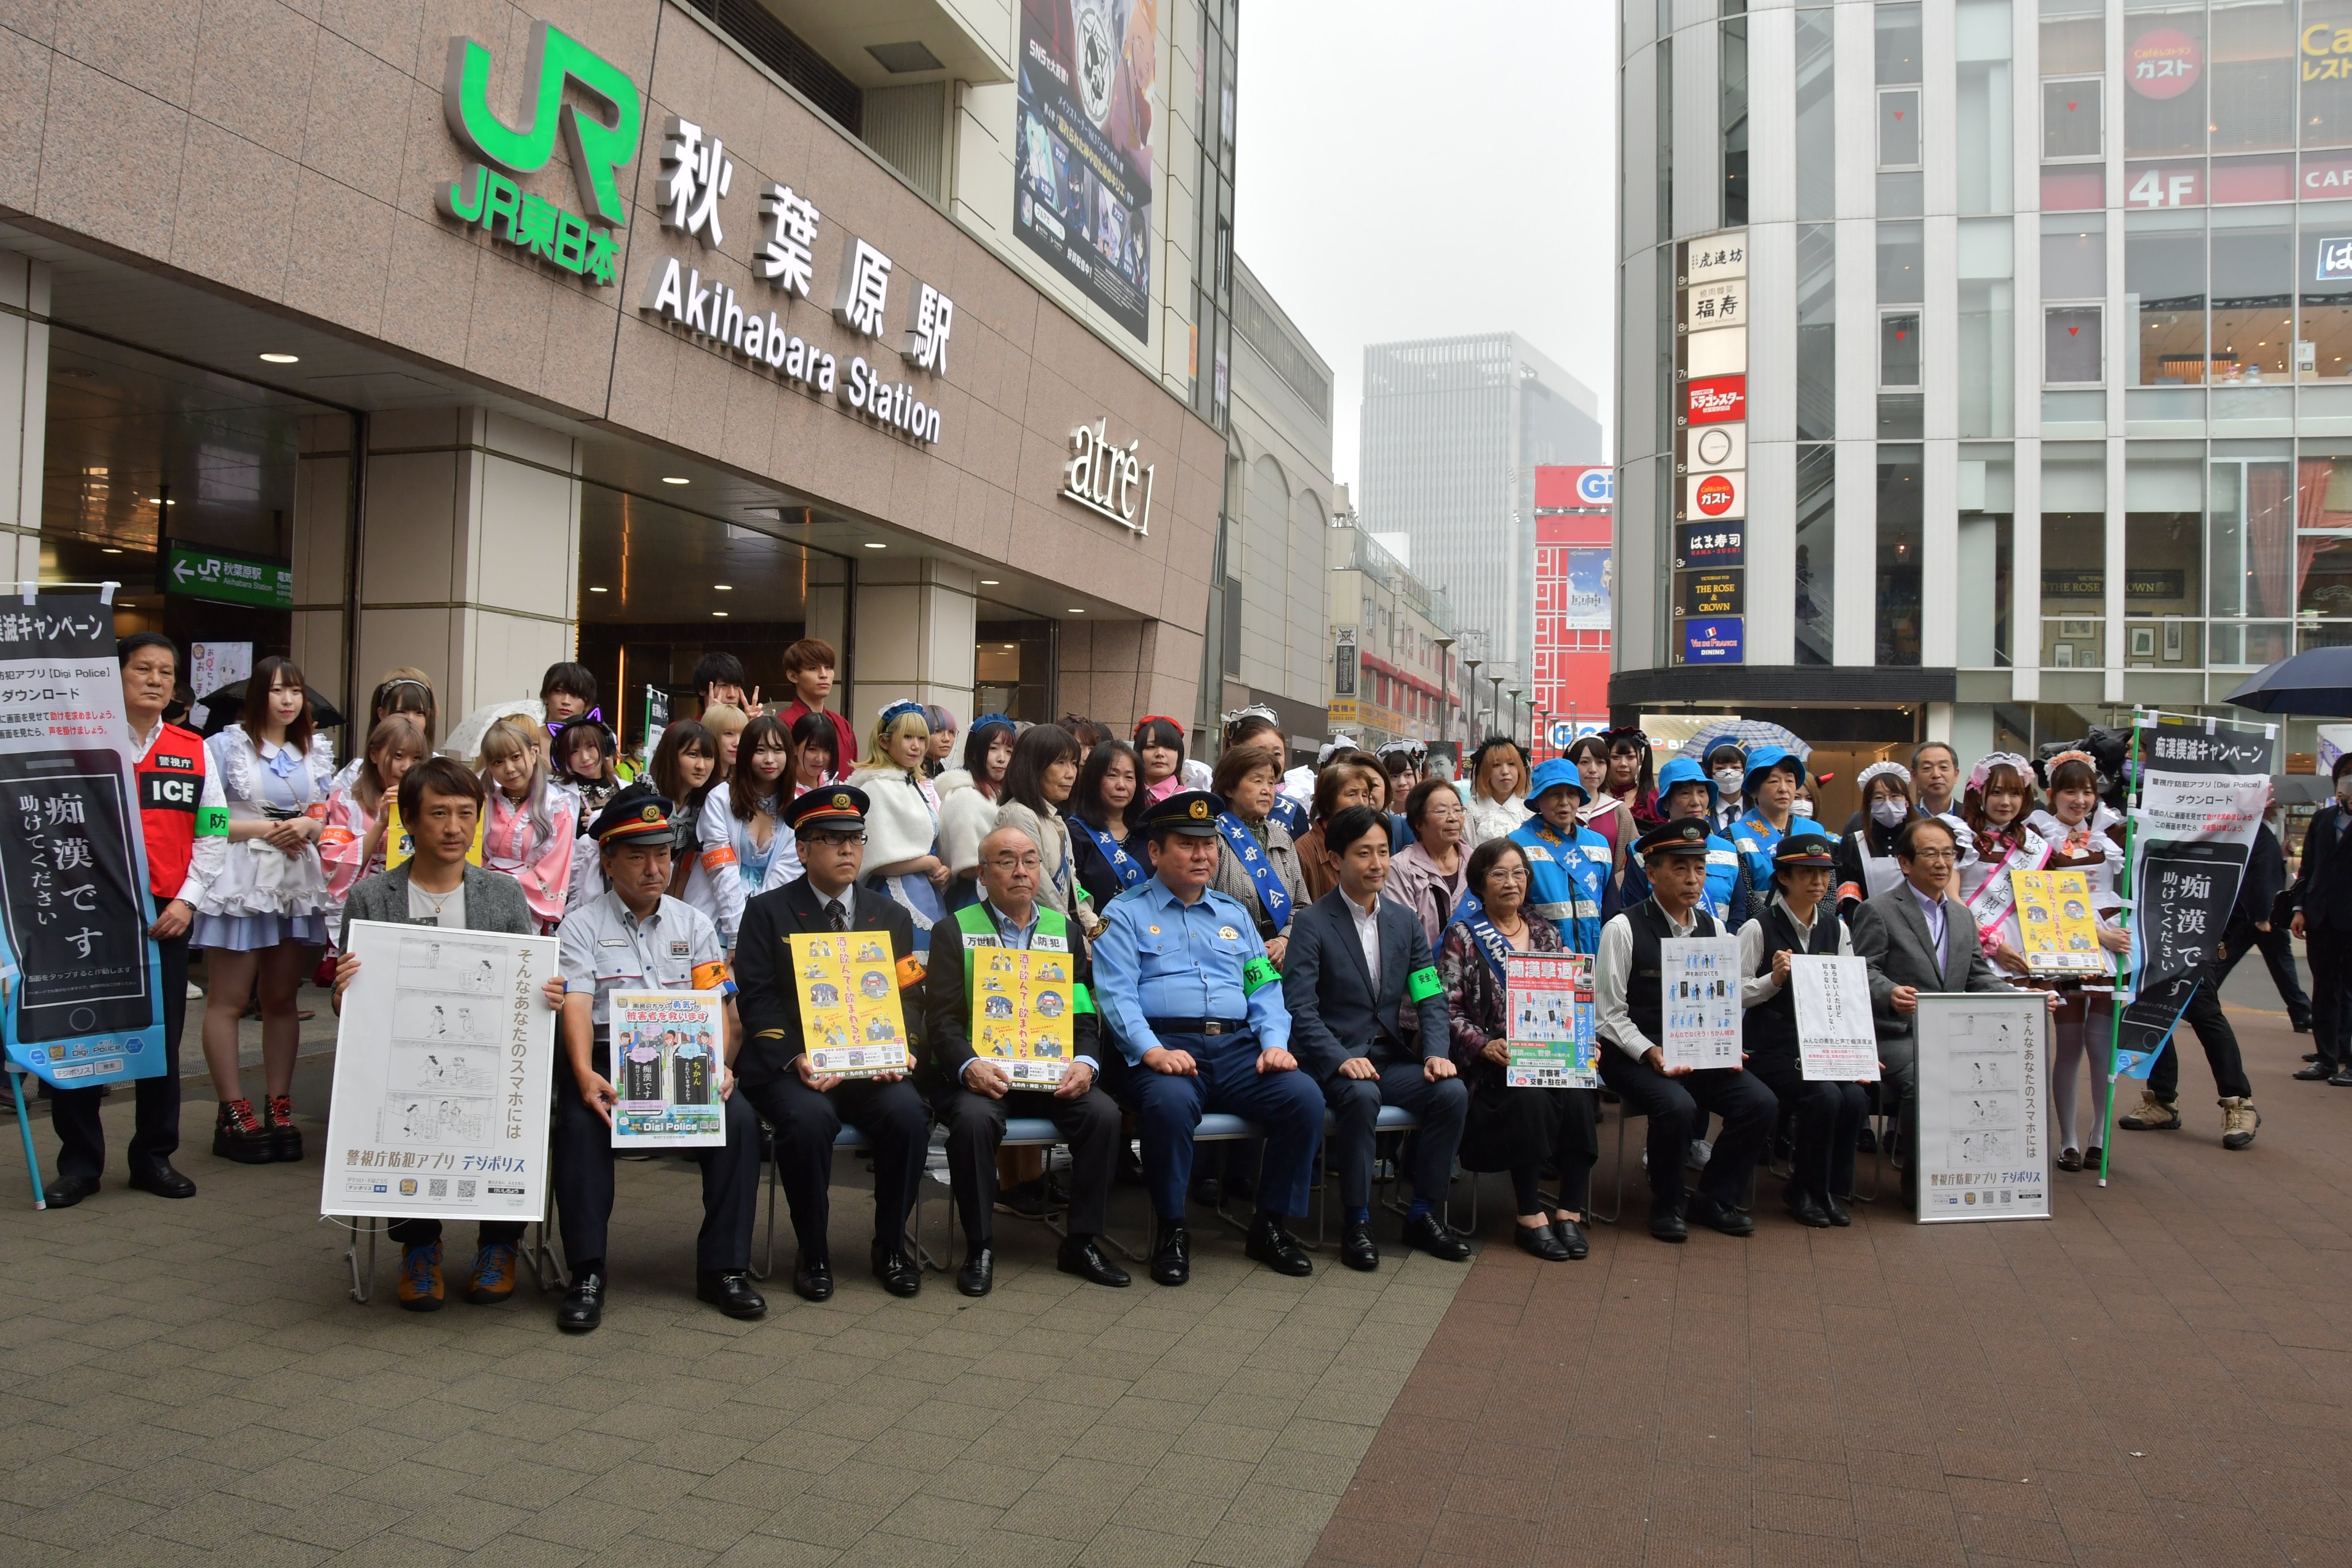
<point x="1082" y="1000"/>
<point x="212" y="821"/>
<point x="1257" y="975"/>
<point x="1423" y="984"/>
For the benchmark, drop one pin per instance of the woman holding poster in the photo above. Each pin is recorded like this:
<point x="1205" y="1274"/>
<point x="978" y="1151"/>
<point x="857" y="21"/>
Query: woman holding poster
<point x="2084" y="835"/>
<point x="1801" y="919"/>
<point x="1999" y="798"/>
<point x="1516" y="1130"/>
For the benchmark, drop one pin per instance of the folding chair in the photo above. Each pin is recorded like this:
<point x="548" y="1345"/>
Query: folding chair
<point x="1020" y="1133"/>
<point x="849" y="1137"/>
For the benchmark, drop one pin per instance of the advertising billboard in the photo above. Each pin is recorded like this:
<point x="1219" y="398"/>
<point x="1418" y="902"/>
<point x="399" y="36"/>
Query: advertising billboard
<point x="1590" y="580"/>
<point x="1082" y="147"/>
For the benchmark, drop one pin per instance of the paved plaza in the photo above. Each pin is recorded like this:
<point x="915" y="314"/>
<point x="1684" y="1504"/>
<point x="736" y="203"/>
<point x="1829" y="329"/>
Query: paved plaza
<point x="2156" y="1377"/>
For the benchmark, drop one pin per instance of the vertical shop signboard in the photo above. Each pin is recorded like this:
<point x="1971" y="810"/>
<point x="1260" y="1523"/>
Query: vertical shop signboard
<point x="1710" y="560"/>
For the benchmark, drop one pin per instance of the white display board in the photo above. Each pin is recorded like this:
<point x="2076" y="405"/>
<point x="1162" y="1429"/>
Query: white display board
<point x="1984" y="1106"/>
<point x="1835" y="1035"/>
<point x="1700" y="1007"/>
<point x="445" y="1060"/>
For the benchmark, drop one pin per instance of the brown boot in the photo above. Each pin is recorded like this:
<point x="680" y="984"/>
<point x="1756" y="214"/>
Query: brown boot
<point x="2153" y="1115"/>
<point x="2239" y="1119"/>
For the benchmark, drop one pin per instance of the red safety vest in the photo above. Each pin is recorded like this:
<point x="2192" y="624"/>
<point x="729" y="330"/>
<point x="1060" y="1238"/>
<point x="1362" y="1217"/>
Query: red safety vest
<point x="170" y="788"/>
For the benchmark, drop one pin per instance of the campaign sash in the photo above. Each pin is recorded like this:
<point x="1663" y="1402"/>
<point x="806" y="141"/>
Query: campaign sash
<point x="1271" y="893"/>
<point x="1123" y="865"/>
<point x="1995" y="899"/>
<point x="1491" y="946"/>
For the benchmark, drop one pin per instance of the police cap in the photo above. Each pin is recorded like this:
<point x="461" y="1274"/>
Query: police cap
<point x="1193" y="812"/>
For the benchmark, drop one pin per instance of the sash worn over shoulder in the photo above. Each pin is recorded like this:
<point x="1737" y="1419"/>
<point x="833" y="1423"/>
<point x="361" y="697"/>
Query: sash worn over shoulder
<point x="1123" y="865"/>
<point x="1272" y="895"/>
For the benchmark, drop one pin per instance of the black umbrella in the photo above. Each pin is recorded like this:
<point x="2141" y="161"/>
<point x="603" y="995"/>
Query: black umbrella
<point x="2317" y="682"/>
<point x="222" y="706"/>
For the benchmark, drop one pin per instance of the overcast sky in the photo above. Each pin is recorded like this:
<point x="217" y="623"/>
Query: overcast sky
<point x="1409" y="170"/>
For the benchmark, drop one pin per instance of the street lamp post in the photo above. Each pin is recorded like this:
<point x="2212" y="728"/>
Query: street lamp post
<point x="1445" y="687"/>
<point x="1470" y="707"/>
<point x="1515" y="715"/>
<point x="1495" y="708"/>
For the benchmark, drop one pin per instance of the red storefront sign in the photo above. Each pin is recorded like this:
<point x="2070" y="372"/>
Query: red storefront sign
<point x="1717" y="400"/>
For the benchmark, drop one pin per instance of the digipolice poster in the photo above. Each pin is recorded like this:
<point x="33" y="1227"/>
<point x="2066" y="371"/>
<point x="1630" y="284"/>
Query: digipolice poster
<point x="1984" y="1106"/>
<point x="84" y="1000"/>
<point x="1082" y="146"/>
<point x="852" y="1023"/>
<point x="1022" y="1014"/>
<point x="1549" y="999"/>
<point x="445" y="1059"/>
<point x="668" y="1060"/>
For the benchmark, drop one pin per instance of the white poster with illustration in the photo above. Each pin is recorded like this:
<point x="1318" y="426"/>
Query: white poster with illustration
<point x="1700" y="1007"/>
<point x="1984" y="1113"/>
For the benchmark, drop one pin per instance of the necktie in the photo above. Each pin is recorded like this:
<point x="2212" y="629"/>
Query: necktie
<point x="833" y="915"/>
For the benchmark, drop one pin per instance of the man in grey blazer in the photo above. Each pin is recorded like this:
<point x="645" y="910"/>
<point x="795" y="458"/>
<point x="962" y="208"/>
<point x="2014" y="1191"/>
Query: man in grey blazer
<point x="1916" y="938"/>
<point x="440" y="807"/>
<point x="1357" y="962"/>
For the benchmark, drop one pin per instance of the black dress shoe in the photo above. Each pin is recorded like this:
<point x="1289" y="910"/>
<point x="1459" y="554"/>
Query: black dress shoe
<point x="1539" y="1240"/>
<point x="1271" y="1245"/>
<point x="67" y="1191"/>
<point x="1668" y="1225"/>
<point x="978" y="1275"/>
<point x="900" y="1274"/>
<point x="1430" y="1237"/>
<point x="162" y="1180"/>
<point x="1209" y="1192"/>
<point x="1082" y="1256"/>
<point x="2310" y="1056"/>
<point x="2300" y="1025"/>
<point x="1834" y="1207"/>
<point x="1172" y="1255"/>
<point x="1571" y="1235"/>
<point x="1358" y="1250"/>
<point x="2342" y="1078"/>
<point x="2318" y="1071"/>
<point x="583" y="1304"/>
<point x="1718" y="1216"/>
<point x="1803" y="1210"/>
<point x="730" y="1290"/>
<point x="813" y="1279"/>
<point x="1865" y="1142"/>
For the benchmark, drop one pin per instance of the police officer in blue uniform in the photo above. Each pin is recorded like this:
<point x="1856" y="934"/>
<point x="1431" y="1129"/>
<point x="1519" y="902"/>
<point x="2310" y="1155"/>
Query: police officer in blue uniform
<point x="636" y="937"/>
<point x="1572" y="885"/>
<point x="1686" y="790"/>
<point x="1184" y="982"/>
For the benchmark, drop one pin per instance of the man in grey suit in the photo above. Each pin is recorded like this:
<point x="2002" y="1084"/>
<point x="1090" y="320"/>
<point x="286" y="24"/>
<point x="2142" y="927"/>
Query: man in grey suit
<point x="440" y="807"/>
<point x="1357" y="961"/>
<point x="1916" y="938"/>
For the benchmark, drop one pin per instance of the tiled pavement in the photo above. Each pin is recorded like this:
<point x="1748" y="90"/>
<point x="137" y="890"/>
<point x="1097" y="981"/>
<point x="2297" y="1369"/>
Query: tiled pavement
<point x="2155" y="1377"/>
<point x="2162" y="1374"/>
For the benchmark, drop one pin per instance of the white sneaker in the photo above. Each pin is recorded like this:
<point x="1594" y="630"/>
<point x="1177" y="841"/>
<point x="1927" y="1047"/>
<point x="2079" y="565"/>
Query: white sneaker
<point x="195" y="992"/>
<point x="1700" y="1151"/>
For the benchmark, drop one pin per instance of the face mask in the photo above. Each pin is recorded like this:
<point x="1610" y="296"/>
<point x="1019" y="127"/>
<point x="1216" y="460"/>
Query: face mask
<point x="1727" y="781"/>
<point x="1888" y="813"/>
<point x="1801" y="808"/>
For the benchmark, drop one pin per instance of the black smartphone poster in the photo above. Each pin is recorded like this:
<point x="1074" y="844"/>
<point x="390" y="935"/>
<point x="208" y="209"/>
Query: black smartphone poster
<point x="83" y="1002"/>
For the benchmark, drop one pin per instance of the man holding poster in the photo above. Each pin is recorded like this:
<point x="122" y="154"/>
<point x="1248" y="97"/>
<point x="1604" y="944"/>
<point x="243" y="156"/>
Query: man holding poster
<point x="1802" y="924"/>
<point x="636" y="937"/>
<point x="975" y="1096"/>
<point x="1630" y="990"/>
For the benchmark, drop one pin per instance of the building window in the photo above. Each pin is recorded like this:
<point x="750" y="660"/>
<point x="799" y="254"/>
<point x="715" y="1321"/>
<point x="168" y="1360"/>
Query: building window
<point x="2322" y="545"/>
<point x="2073" y="125"/>
<point x="2326" y="72"/>
<point x="1816" y="150"/>
<point x="1988" y="318"/>
<point x="2250" y="549"/>
<point x="2253" y="71"/>
<point x="1816" y="554"/>
<point x="2323" y="278"/>
<point x="2164" y="83"/>
<point x="1816" y="331"/>
<point x="2073" y="555"/>
<point x="1987" y="557"/>
<point x="2071" y="353"/>
<point x="1897" y="583"/>
<point x="1899" y="128"/>
<point x="2164" y="281"/>
<point x="1898" y="349"/>
<point x="2254" y="304"/>
<point x="1734" y="68"/>
<point x="2164" y="557"/>
<point x="1983" y="127"/>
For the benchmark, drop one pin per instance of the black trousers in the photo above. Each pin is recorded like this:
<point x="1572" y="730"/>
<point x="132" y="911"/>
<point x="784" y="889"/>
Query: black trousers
<point x="73" y="1113"/>
<point x="976" y="1125"/>
<point x="1828" y="1123"/>
<point x="2331" y="967"/>
<point x="490" y="1233"/>
<point x="582" y="1147"/>
<point x="2204" y="1015"/>
<point x="806" y="1123"/>
<point x="1522" y="1130"/>
<point x="1743" y="1102"/>
<point x="2278" y="956"/>
<point x="1355" y="1103"/>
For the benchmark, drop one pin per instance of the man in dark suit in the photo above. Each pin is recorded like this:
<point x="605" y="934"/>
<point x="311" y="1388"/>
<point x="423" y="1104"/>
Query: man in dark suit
<point x="1355" y="962"/>
<point x="2257" y="922"/>
<point x="807" y="1108"/>
<point x="1916" y="937"/>
<point x="976" y="1095"/>
<point x="2323" y="918"/>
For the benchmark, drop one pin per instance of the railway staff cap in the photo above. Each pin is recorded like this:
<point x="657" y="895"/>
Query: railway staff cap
<point x="1683" y="836"/>
<point x="632" y="814"/>
<point x="1806" y="846"/>
<point x="828" y="807"/>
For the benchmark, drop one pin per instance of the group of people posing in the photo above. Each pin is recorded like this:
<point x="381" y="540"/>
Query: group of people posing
<point x="1297" y="946"/>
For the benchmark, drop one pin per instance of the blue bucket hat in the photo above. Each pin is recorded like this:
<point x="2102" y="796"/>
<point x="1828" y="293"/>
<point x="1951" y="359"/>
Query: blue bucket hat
<point x="1687" y="771"/>
<point x="1552" y="773"/>
<point x="1764" y="759"/>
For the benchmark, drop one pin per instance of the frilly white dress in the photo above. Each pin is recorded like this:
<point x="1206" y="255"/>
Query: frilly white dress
<point x="263" y="897"/>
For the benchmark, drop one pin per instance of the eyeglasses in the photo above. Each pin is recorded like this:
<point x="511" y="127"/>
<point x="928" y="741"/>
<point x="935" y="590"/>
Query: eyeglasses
<point x="1017" y="862"/>
<point x="1935" y="857"/>
<point x="839" y="841"/>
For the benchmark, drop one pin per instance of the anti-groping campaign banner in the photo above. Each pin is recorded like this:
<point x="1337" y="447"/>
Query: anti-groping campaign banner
<point x="2203" y="788"/>
<point x="84" y="982"/>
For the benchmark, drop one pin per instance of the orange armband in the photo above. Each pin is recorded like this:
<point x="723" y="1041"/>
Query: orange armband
<point x="718" y="859"/>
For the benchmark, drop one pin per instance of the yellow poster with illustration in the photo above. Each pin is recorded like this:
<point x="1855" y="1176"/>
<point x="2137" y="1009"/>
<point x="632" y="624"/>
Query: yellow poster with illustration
<point x="851" y="1022"/>
<point x="399" y="848"/>
<point x="1020" y="1014"/>
<point x="2061" y="931"/>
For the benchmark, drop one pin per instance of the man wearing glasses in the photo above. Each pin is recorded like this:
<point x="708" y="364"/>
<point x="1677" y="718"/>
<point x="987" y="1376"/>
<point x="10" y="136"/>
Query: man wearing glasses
<point x="975" y="1094"/>
<point x="1918" y="937"/>
<point x="805" y="1107"/>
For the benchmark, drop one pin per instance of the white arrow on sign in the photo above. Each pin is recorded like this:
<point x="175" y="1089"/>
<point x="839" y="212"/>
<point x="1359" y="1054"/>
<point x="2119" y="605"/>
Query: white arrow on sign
<point x="180" y="569"/>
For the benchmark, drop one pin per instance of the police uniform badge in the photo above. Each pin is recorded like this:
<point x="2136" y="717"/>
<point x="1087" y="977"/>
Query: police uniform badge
<point x="1200" y="810"/>
<point x="1229" y="934"/>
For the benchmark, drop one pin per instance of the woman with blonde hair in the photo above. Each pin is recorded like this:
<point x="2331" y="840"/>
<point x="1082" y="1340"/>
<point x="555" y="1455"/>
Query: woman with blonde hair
<point x="529" y="826"/>
<point x="1496" y="803"/>
<point x="902" y="819"/>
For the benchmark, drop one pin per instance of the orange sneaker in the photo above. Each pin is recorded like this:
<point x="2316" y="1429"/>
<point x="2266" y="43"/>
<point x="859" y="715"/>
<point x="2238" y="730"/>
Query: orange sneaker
<point x="494" y="1275"/>
<point x="420" y="1279"/>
